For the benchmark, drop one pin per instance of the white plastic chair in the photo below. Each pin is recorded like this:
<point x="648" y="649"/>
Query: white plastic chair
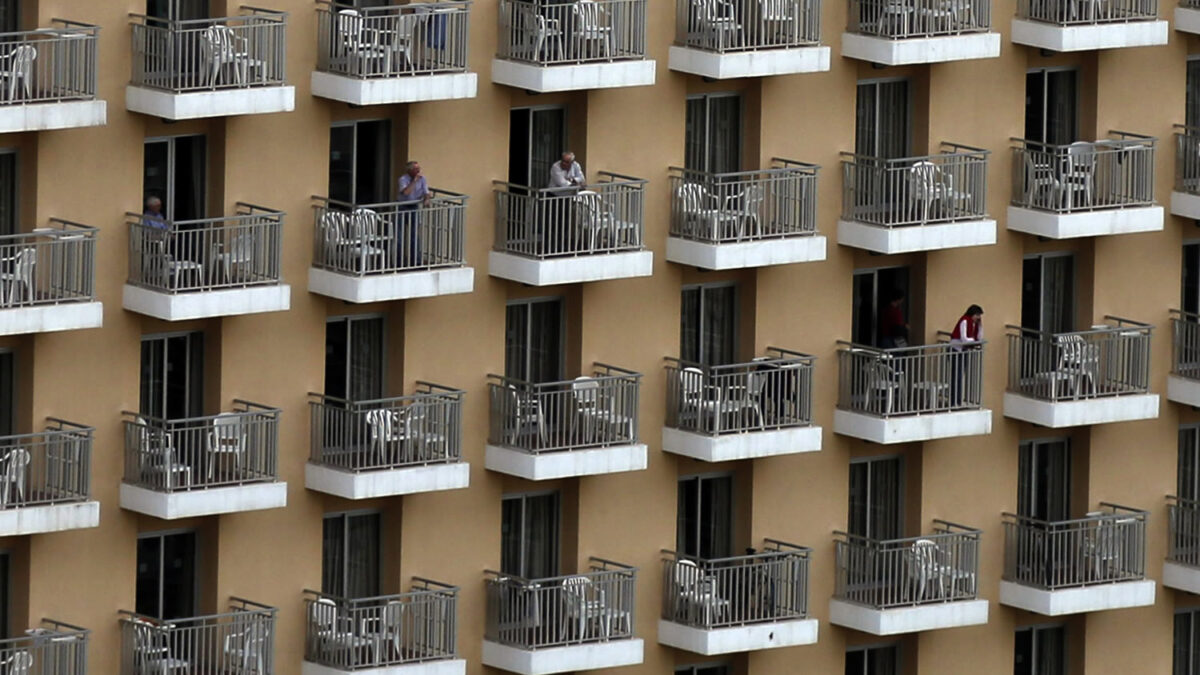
<point x="151" y="651"/>
<point x="924" y="569"/>
<point x="16" y="466"/>
<point x="386" y="427"/>
<point x="1078" y="174"/>
<point x="237" y="253"/>
<point x="536" y="31"/>
<point x="20" y="277"/>
<point x="526" y="411"/>
<point x="226" y="437"/>
<point x="222" y="47"/>
<point x="17" y="68"/>
<point x="591" y="28"/>
<point x="361" y="42"/>
<point x="247" y="643"/>
<point x="717" y="19"/>
<point x="584" y="604"/>
<point x="18" y="662"/>
<point x="930" y="184"/>
<point x="157" y="455"/>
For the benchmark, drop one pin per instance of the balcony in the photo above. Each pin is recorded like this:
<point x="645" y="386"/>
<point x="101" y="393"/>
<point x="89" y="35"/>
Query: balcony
<point x="582" y="427"/>
<point x="53" y="648"/>
<point x="1185" y="198"/>
<point x="737" y="604"/>
<point x="50" y="79"/>
<point x="1082" y="25"/>
<point x="1085" y="189"/>
<point x="197" y="269"/>
<point x="45" y="480"/>
<point x="200" y="466"/>
<point x="413" y="633"/>
<point x="563" y="624"/>
<point x="743" y="410"/>
<point x="210" y="67"/>
<point x="387" y="447"/>
<point x="910" y="394"/>
<point x="895" y="586"/>
<point x="562" y="46"/>
<point x="1181" y="570"/>
<point x="1094" y="376"/>
<point x="728" y="39"/>
<point x="920" y="31"/>
<point x="1183" y="382"/>
<point x="551" y="236"/>
<point x="725" y="221"/>
<point x="1085" y="565"/>
<point x="239" y="640"/>
<point x="1187" y="16"/>
<point x="47" y="280"/>
<point x="393" y="54"/>
<point x="916" y="203"/>
<point x="394" y="251"/>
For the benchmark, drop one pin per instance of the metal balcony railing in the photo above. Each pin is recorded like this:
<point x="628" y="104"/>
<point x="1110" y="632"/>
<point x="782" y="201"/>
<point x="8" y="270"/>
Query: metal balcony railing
<point x="943" y="188"/>
<point x="930" y="569"/>
<point x="232" y="448"/>
<point x="1082" y="12"/>
<point x="48" y="266"/>
<point x="233" y="52"/>
<point x="757" y="588"/>
<point x="725" y="26"/>
<point x="241" y="640"/>
<point x="590" y="411"/>
<point x="1183" y="543"/>
<point x="604" y="217"/>
<point x="369" y="239"/>
<point x="560" y="32"/>
<point x="49" y="65"/>
<point x="771" y="392"/>
<point x="1106" y="360"/>
<point x="45" y="468"/>
<point x="722" y="208"/>
<point x="389" y="630"/>
<point x="1190" y="4"/>
<point x="393" y="41"/>
<point x="912" y="380"/>
<point x="1114" y="173"/>
<point x="901" y="19"/>
<point x="593" y="606"/>
<point x="206" y="255"/>
<point x="53" y="648"/>
<point x="387" y="433"/>
<point x="1185" y="344"/>
<point x="1187" y="158"/>
<point x="1103" y="547"/>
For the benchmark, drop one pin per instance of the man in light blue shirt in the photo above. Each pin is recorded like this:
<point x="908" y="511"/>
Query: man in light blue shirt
<point x="567" y="173"/>
<point x="413" y="187"/>
<point x="413" y="193"/>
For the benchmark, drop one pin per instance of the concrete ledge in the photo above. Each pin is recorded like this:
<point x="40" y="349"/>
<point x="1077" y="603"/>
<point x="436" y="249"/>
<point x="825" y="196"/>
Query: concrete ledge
<point x="573" y="77"/>
<point x="566" y="463"/>
<point x="447" y="667"/>
<point x="899" y="620"/>
<point x="386" y="482"/>
<point x="748" y="64"/>
<point x="1181" y="577"/>
<point x="49" y="518"/>
<point x="1187" y="20"/>
<point x="900" y="52"/>
<point x="203" y="502"/>
<point x="1078" y="413"/>
<point x="738" y="255"/>
<point x="936" y="237"/>
<point x="219" y="103"/>
<point x="746" y="445"/>
<point x="578" y="269"/>
<point x="1085" y="223"/>
<point x="1183" y="390"/>
<point x="48" y="116"/>
<point x="737" y="638"/>
<point x="587" y="656"/>
<point x="51" y="318"/>
<point x="1185" y="204"/>
<point x="1096" y="598"/>
<point x="1084" y="38"/>
<point x="383" y="91"/>
<point x="398" y="286"/>
<point x="205" y="304"/>
<point x="912" y="428"/>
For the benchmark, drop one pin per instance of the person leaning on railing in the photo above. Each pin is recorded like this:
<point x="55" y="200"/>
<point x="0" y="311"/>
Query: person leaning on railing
<point x="412" y="193"/>
<point x="968" y="330"/>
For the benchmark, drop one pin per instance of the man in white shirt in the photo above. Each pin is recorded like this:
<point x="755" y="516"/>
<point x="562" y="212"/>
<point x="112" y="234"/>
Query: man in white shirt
<point x="567" y="173"/>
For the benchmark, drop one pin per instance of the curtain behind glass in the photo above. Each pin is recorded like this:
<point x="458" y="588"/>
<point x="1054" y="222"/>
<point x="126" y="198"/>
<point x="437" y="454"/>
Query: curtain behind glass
<point x="1192" y="117"/>
<point x="885" y="508"/>
<point x="541" y="536"/>
<point x="1058" y="294"/>
<point x="8" y="400"/>
<point x="865" y="119"/>
<point x="720" y="325"/>
<point x="179" y="576"/>
<point x="724" y="134"/>
<point x="689" y="324"/>
<point x="549" y="141"/>
<point x="882" y="119"/>
<point x="1051" y="650"/>
<point x="1061" y="107"/>
<point x="545" y="341"/>
<point x="695" y="134"/>
<point x="1182" y="645"/>
<point x="190" y="175"/>
<point x="8" y="193"/>
<point x="151" y="386"/>
<point x="882" y="661"/>
<point x="1187" y="474"/>
<point x="516" y="337"/>
<point x="716" y="511"/>
<point x="333" y="563"/>
<point x="857" y="520"/>
<point x="341" y="163"/>
<point x="362" y="556"/>
<point x="366" y="359"/>
<point x="1043" y="482"/>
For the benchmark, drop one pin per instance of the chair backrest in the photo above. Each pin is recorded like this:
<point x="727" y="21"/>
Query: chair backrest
<point x="364" y="223"/>
<point x="227" y="427"/>
<point x="588" y="15"/>
<point x="1081" y="156"/>
<point x="218" y="41"/>
<point x="1070" y="350"/>
<point x="922" y="557"/>
<point x="241" y="247"/>
<point x="923" y="176"/>
<point x="18" y="460"/>
<point x="691" y="380"/>
<point x="692" y="195"/>
<point x="687" y="575"/>
<point x="20" y="663"/>
<point x="333" y="223"/>
<point x="576" y="589"/>
<point x="145" y="636"/>
<point x="21" y="60"/>
<point x="349" y="24"/>
<point x="585" y="390"/>
<point x="752" y="199"/>
<point x="776" y="10"/>
<point x="380" y="422"/>
<point x="324" y="613"/>
<point x="23" y="268"/>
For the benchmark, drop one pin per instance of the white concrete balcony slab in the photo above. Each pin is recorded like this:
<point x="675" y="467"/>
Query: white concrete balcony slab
<point x="389" y="90"/>
<point x="207" y="304"/>
<point x="1087" y="37"/>
<point x="931" y="237"/>
<point x="742" y="445"/>
<point x="912" y="428"/>
<point x="1183" y="390"/>
<point x="743" y="254"/>
<point x="446" y="667"/>
<point x="1185" y="204"/>
<point x="368" y="484"/>
<point x="734" y="639"/>
<point x="203" y="501"/>
<point x="573" y="77"/>
<point x="547" y="660"/>
<point x="41" y="518"/>
<point x="1181" y="577"/>
<point x="1061" y="414"/>
<point x="570" y="270"/>
<point x="1187" y="19"/>
<point x="189" y="105"/>
<point x="912" y="619"/>
<point x="1100" y="597"/>
<point x="397" y="286"/>
<point x="51" y="318"/>
<point x="932" y="49"/>
<point x="53" y="115"/>
<point x="1099" y="223"/>
<point x="760" y="63"/>
<point x="566" y="463"/>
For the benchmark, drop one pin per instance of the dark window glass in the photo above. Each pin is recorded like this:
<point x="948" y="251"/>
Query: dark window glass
<point x="8" y="394"/>
<point x="354" y="358"/>
<point x="713" y="133"/>
<point x="1051" y="107"/>
<point x="708" y="325"/>
<point x="9" y="194"/>
<point x="882" y="126"/>
<point x="1044" y="480"/>
<point x="876" y="506"/>
<point x="1040" y="651"/>
<point x="172" y="376"/>
<point x="883" y="660"/>
<point x="537" y="138"/>
<point x="533" y="341"/>
<point x="1048" y="293"/>
<point x="175" y="170"/>
<point x="360" y="160"/>
<point x="350" y="555"/>
<point x="529" y="535"/>
<point x="704" y="517"/>
<point x="166" y="575"/>
<point x="873" y="292"/>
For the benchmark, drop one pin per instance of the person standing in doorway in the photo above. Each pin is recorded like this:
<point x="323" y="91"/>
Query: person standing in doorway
<point x="893" y="328"/>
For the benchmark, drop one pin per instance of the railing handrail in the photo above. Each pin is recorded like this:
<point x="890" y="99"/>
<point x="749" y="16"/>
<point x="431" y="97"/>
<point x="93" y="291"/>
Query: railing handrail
<point x="795" y="551"/>
<point x="900" y="542"/>
<point x="444" y="589"/>
<point x="523" y="385"/>
<point x="1126" y="139"/>
<point x="254" y="212"/>
<point x="439" y="197"/>
<point x="251" y="410"/>
<point x="621" y="181"/>
<point x="492" y="576"/>
<point x="790" y="359"/>
<point x="456" y="5"/>
<point x="1124" y="326"/>
<point x="1117" y="512"/>
<point x="955" y="150"/>
<point x="264" y="611"/>
<point x="888" y="351"/>
<point x="354" y="405"/>
<point x="180" y="24"/>
<point x="791" y="168"/>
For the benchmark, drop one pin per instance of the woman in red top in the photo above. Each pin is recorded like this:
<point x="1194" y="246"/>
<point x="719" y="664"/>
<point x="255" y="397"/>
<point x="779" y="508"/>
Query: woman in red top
<point x="968" y="330"/>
